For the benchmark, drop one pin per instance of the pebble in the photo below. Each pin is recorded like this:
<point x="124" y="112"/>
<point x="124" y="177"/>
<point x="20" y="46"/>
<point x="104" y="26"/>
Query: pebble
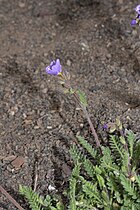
<point x="85" y="46"/>
<point x="78" y="109"/>
<point x="44" y="90"/>
<point x="68" y="63"/>
<point x="24" y="115"/>
<point x="45" y="54"/>
<point x="49" y="127"/>
<point x="81" y="125"/>
<point x="9" y="158"/>
<point x="21" y="4"/>
<point x="51" y="188"/>
<point x="13" y="110"/>
<point x="18" y="162"/>
<point x="36" y="127"/>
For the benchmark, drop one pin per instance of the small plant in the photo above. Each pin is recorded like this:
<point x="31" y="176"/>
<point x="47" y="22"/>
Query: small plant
<point x="38" y="202"/>
<point x="109" y="181"/>
<point x="113" y="181"/>
<point x="107" y="176"/>
<point x="64" y="79"/>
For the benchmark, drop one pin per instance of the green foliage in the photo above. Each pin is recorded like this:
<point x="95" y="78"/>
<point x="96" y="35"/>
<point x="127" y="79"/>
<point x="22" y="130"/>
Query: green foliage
<point x="106" y="181"/>
<point x="116" y="147"/>
<point x="82" y="98"/>
<point x="33" y="198"/>
<point x="76" y="154"/>
<point x="73" y="182"/>
<point x="128" y="186"/>
<point x="131" y="137"/>
<point x="138" y="181"/>
<point x="89" y="167"/>
<point x="110" y="181"/>
<point x="87" y="146"/>
<point x="37" y="202"/>
<point x="107" y="160"/>
<point x="136" y="154"/>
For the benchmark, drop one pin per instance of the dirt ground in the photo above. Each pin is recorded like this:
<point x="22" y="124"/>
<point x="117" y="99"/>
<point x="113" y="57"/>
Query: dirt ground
<point x="97" y="45"/>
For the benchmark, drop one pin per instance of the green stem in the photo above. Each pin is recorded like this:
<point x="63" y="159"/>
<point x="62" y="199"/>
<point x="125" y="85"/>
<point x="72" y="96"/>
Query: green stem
<point x="92" y="127"/>
<point x="89" y="121"/>
<point x="68" y="86"/>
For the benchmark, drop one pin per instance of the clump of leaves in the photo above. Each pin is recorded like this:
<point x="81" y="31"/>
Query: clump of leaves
<point x="110" y="181"/>
<point x="113" y="181"/>
<point x="38" y="202"/>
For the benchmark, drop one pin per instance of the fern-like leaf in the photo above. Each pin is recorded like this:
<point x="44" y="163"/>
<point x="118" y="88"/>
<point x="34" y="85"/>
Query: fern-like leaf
<point x="33" y="198"/>
<point x="72" y="205"/>
<point x="73" y="181"/>
<point x="116" y="148"/>
<point x="76" y="170"/>
<point x="87" y="146"/>
<point x="131" y="137"/>
<point x="138" y="180"/>
<point x="107" y="160"/>
<point x="125" y="163"/>
<point x="130" y="204"/>
<point x="89" y="168"/>
<point x="127" y="185"/>
<point x="76" y="154"/>
<point x="101" y="181"/>
<point x="136" y="153"/>
<point x="90" y="189"/>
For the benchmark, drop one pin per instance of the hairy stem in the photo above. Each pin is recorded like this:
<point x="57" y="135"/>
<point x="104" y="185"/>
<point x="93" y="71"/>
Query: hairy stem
<point x="92" y="127"/>
<point x="67" y="85"/>
<point x="90" y="122"/>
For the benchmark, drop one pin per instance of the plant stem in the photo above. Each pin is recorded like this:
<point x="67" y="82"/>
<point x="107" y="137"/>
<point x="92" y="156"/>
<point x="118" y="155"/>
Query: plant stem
<point x="67" y="85"/>
<point x="10" y="198"/>
<point x="90" y="122"/>
<point x="92" y="127"/>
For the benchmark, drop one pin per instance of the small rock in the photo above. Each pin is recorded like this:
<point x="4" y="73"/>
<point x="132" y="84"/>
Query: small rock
<point x="45" y="54"/>
<point x="51" y="188"/>
<point x="36" y="127"/>
<point x="9" y="158"/>
<point x="24" y="115"/>
<point x="49" y="127"/>
<point x="81" y="125"/>
<point x="85" y="46"/>
<point x="44" y="90"/>
<point x="18" y="162"/>
<point x="68" y="63"/>
<point x="21" y="4"/>
<point x="28" y="122"/>
<point x="13" y="110"/>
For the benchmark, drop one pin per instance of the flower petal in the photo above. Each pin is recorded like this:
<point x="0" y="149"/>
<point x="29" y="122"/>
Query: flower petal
<point x="137" y="9"/>
<point x="54" y="68"/>
<point x="133" y="22"/>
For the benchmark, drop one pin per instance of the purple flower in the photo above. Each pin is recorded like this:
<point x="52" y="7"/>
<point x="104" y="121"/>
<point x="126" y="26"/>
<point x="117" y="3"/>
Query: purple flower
<point x="137" y="9"/>
<point x="54" y="68"/>
<point x="133" y="22"/>
<point x="105" y="126"/>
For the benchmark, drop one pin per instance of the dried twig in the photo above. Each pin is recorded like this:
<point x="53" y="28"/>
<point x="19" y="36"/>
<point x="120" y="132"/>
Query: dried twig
<point x="35" y="172"/>
<point x="10" y="198"/>
<point x="35" y="176"/>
